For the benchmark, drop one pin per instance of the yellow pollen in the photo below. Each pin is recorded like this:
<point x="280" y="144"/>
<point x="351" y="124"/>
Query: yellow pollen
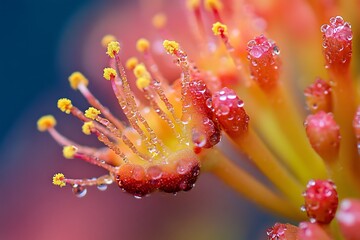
<point x="213" y="4"/>
<point x="171" y="46"/>
<point x="107" y="39"/>
<point x="140" y="71"/>
<point x="109" y="73"/>
<point x="219" y="29"/>
<point x="77" y="78"/>
<point x="113" y="48"/>
<point x="142" y="82"/>
<point x="142" y="45"/>
<point x="131" y="63"/>
<point x="87" y="126"/>
<point x="46" y="122"/>
<point x="159" y="20"/>
<point x="69" y="151"/>
<point x="92" y="113"/>
<point x="58" y="180"/>
<point x="64" y="105"/>
<point x="193" y="4"/>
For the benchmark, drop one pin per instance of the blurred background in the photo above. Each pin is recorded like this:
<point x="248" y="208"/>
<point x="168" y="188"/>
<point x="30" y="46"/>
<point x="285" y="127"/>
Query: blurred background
<point x="42" y="42"/>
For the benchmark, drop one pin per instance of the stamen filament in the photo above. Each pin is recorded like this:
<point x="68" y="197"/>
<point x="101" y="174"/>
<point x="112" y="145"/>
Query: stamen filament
<point x="245" y="184"/>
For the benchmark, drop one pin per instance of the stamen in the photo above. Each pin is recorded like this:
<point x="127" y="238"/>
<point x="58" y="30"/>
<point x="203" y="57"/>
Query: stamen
<point x="151" y="98"/>
<point x="46" y="122"/>
<point x="173" y="48"/>
<point x="64" y="104"/>
<point x="143" y="46"/>
<point x="113" y="48"/>
<point x="131" y="63"/>
<point x="159" y="20"/>
<point x="78" y="81"/>
<point x="215" y="7"/>
<point x="69" y="151"/>
<point x="123" y="84"/>
<point x="58" y="180"/>
<point x="221" y="30"/>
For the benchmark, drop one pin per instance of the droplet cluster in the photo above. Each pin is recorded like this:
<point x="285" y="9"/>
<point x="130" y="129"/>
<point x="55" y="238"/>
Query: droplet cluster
<point x="264" y="62"/>
<point x="229" y="111"/>
<point x="176" y="176"/>
<point x="337" y="43"/>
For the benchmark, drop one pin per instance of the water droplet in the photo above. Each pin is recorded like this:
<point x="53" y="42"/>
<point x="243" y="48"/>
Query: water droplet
<point x="79" y="191"/>
<point x="324" y="27"/>
<point x="137" y="196"/>
<point x="209" y="103"/>
<point x="276" y="50"/>
<point x="102" y="187"/>
<point x="155" y="172"/>
<point x="312" y="220"/>
<point x="303" y="208"/>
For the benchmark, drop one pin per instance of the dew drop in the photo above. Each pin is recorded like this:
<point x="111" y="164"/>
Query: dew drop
<point x="102" y="187"/>
<point x="79" y="191"/>
<point x="276" y="50"/>
<point x="303" y="208"/>
<point x="155" y="172"/>
<point x="209" y="103"/>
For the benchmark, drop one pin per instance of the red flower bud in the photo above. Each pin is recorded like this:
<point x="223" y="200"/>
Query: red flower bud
<point x="321" y="201"/>
<point x="318" y="96"/>
<point x="348" y="217"/>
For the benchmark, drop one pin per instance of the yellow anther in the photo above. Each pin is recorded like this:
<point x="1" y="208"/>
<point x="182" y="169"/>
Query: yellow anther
<point x="142" y="45"/>
<point x="171" y="46"/>
<point x="46" y="122"/>
<point x="159" y="20"/>
<point x="58" y="180"/>
<point x="193" y="4"/>
<point x="113" y="48"/>
<point x="76" y="79"/>
<point x="131" y="63"/>
<point x="109" y="73"/>
<point x="92" y="113"/>
<point x="141" y="71"/>
<point x="142" y="83"/>
<point x="64" y="105"/>
<point x="87" y="127"/>
<point x="69" y="151"/>
<point x="213" y="4"/>
<point x="219" y="29"/>
<point x="107" y="39"/>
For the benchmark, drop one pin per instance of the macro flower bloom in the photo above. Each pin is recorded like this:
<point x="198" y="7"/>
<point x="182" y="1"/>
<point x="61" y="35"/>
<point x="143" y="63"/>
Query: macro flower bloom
<point x="234" y="91"/>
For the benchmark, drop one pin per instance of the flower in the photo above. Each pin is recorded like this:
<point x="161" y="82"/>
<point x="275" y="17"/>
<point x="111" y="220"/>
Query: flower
<point x="232" y="85"/>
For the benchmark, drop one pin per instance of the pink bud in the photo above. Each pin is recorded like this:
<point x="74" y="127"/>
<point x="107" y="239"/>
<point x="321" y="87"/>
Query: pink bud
<point x="321" y="201"/>
<point x="312" y="231"/>
<point x="282" y="231"/>
<point x="318" y="96"/>
<point x="264" y="61"/>
<point x="337" y="41"/>
<point x="348" y="217"/>
<point x="324" y="135"/>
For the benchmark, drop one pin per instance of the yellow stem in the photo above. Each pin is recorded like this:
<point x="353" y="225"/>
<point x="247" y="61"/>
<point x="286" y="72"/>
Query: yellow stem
<point x="267" y="124"/>
<point x="291" y="123"/>
<point x="245" y="184"/>
<point x="258" y="152"/>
